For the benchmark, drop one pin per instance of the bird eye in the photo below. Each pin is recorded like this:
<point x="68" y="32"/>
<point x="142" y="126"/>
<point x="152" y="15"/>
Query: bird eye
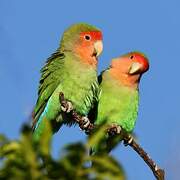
<point x="131" y="57"/>
<point x="87" y="37"/>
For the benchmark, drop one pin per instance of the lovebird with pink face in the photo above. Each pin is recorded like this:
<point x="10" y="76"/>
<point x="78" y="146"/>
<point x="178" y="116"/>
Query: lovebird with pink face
<point x="119" y="96"/>
<point x="72" y="69"/>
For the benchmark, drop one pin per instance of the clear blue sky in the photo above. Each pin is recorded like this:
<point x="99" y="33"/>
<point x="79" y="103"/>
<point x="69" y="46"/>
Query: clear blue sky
<point x="30" y="31"/>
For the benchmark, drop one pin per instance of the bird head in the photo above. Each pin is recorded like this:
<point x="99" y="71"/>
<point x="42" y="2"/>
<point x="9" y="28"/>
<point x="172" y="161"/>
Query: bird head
<point x="85" y="41"/>
<point x="129" y="67"/>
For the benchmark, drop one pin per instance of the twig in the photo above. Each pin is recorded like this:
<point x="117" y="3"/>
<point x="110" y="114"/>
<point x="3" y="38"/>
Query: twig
<point x="158" y="172"/>
<point x="127" y="138"/>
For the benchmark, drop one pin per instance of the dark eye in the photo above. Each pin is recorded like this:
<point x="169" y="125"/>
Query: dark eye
<point x="87" y="37"/>
<point x="131" y="57"/>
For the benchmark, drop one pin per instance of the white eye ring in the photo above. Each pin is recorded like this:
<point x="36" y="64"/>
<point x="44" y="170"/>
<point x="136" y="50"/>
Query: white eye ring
<point x="87" y="37"/>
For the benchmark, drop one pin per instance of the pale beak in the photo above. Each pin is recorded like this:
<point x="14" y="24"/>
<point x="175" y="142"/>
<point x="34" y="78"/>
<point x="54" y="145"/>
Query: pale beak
<point x="98" y="47"/>
<point x="135" y="68"/>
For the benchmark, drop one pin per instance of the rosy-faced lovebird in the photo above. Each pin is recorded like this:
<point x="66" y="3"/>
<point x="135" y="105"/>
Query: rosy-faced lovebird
<point x="72" y="69"/>
<point x="119" y="96"/>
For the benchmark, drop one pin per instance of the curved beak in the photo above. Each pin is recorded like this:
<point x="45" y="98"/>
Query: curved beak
<point x="98" y="47"/>
<point x="135" y="68"/>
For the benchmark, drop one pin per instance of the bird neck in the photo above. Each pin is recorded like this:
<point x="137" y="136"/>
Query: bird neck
<point x="74" y="65"/>
<point x="82" y="55"/>
<point x="85" y="57"/>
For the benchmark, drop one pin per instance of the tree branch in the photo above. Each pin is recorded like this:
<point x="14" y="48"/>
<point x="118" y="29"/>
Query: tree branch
<point x="127" y="138"/>
<point x="158" y="172"/>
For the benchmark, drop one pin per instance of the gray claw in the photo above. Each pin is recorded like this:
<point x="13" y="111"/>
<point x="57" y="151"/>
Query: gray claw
<point x="85" y="122"/>
<point x="63" y="108"/>
<point x="115" y="129"/>
<point x="130" y="140"/>
<point x="68" y="108"/>
<point x="118" y="129"/>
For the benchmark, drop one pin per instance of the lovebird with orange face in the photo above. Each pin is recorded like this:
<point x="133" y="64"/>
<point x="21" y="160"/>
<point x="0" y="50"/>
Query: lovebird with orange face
<point x="119" y="96"/>
<point x="72" y="69"/>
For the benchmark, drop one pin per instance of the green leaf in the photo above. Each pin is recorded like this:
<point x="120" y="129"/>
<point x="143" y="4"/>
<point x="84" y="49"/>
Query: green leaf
<point x="26" y="159"/>
<point x="97" y="136"/>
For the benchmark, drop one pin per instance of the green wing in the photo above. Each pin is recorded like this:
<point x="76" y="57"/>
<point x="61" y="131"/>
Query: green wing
<point x="92" y="115"/>
<point x="50" y="79"/>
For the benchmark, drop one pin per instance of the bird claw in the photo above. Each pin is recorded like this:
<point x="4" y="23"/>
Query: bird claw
<point x="84" y="123"/>
<point x="68" y="107"/>
<point x="114" y="129"/>
<point x="129" y="141"/>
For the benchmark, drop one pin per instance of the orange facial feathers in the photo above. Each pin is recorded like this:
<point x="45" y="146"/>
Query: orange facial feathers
<point x="128" y="68"/>
<point x="86" y="48"/>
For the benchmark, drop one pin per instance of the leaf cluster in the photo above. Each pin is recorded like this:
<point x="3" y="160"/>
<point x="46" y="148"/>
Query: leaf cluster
<point x="26" y="159"/>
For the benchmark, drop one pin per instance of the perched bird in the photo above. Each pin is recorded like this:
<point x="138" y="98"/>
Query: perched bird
<point x="119" y="96"/>
<point x="72" y="69"/>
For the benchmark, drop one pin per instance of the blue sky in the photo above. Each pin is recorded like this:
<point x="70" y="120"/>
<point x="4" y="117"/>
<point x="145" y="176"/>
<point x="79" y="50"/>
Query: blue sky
<point x="30" y="31"/>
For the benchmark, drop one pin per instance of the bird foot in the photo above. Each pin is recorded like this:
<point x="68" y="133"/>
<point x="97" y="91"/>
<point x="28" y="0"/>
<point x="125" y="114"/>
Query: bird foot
<point x="114" y="129"/>
<point x="129" y="141"/>
<point x="84" y="123"/>
<point x="68" y="107"/>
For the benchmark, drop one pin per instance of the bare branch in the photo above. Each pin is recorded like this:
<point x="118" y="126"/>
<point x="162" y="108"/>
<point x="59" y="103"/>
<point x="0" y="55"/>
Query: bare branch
<point x="158" y="172"/>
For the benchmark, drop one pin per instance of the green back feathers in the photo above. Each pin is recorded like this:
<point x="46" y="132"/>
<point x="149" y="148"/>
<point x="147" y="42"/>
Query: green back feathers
<point x="50" y="78"/>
